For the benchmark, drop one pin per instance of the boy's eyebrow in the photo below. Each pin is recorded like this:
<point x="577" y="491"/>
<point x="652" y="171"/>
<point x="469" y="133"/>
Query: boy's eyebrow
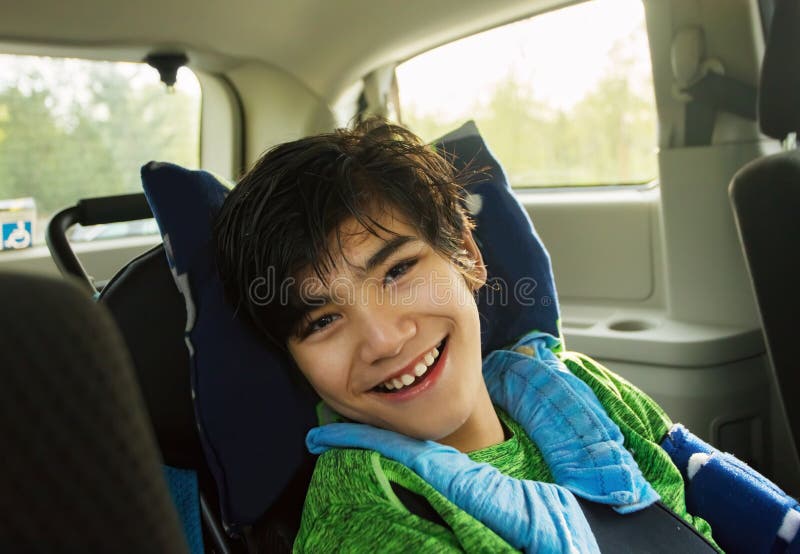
<point x="313" y="301"/>
<point x="388" y="248"/>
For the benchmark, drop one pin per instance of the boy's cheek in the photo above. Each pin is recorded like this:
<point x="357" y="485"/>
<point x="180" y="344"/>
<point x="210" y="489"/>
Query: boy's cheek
<point x="326" y="383"/>
<point x="443" y="290"/>
<point x="316" y="378"/>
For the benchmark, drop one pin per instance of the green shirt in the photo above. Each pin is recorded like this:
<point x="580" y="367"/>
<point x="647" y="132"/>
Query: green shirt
<point x="350" y="506"/>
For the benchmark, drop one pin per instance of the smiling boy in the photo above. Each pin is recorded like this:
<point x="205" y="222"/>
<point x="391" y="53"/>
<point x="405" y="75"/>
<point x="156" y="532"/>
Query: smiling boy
<point x="399" y="346"/>
<point x="368" y="228"/>
<point x="365" y="230"/>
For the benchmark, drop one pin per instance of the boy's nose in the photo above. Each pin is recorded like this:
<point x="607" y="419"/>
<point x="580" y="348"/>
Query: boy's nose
<point x="383" y="337"/>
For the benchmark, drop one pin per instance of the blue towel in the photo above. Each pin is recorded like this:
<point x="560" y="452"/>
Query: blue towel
<point x="582" y="446"/>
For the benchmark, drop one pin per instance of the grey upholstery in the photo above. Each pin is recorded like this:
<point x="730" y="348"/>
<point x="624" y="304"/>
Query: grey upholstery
<point x="80" y="469"/>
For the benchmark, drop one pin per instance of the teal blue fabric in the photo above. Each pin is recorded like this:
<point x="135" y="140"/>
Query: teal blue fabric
<point x="529" y="515"/>
<point x="580" y="443"/>
<point x="582" y="446"/>
<point x="185" y="494"/>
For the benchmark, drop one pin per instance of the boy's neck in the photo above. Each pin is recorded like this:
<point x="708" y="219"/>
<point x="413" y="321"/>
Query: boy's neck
<point x="481" y="429"/>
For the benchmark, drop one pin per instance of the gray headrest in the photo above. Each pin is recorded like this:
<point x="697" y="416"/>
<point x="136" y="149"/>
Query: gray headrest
<point x="779" y="91"/>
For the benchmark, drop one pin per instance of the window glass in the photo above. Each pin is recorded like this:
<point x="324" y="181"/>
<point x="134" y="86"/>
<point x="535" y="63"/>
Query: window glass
<point x="562" y="98"/>
<point x="72" y="129"/>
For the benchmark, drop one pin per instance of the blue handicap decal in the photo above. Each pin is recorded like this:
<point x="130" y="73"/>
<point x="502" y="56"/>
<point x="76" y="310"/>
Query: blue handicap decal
<point x="17" y="235"/>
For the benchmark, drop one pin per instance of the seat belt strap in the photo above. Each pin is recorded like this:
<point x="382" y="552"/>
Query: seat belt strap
<point x="715" y="92"/>
<point x="653" y="530"/>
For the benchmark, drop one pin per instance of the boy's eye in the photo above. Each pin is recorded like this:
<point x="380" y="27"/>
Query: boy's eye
<point x="398" y="270"/>
<point x="320" y="323"/>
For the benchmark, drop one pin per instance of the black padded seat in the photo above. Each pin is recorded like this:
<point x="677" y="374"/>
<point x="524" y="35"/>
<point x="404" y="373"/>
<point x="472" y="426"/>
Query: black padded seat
<point x="151" y="315"/>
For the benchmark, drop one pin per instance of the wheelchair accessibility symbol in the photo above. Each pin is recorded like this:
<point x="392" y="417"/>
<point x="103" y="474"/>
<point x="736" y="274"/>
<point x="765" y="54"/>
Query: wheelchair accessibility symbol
<point x="17" y="235"/>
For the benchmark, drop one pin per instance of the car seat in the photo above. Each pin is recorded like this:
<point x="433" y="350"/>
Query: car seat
<point x="159" y="356"/>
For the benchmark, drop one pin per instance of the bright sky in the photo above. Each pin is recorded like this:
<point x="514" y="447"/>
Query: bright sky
<point x="560" y="55"/>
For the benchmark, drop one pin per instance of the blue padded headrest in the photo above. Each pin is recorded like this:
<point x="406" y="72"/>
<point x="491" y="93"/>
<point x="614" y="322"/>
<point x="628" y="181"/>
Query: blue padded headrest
<point x="520" y="293"/>
<point x="252" y="417"/>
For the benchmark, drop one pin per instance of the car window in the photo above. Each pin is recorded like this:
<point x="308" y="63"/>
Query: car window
<point x="563" y="98"/>
<point x="72" y="129"/>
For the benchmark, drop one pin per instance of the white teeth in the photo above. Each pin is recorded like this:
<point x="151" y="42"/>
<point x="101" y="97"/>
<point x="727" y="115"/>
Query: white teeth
<point x="419" y="370"/>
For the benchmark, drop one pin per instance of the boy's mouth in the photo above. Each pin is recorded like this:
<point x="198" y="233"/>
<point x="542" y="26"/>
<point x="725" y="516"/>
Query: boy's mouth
<point x="421" y="372"/>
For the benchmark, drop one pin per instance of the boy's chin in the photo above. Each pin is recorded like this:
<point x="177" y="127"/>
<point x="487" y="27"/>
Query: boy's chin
<point x="438" y="433"/>
<point x="429" y="421"/>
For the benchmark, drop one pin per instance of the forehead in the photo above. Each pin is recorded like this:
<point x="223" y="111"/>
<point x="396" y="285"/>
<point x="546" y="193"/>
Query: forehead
<point x="352" y="238"/>
<point x="352" y="244"/>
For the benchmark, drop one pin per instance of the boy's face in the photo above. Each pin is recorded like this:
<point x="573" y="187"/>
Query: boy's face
<point x="397" y="342"/>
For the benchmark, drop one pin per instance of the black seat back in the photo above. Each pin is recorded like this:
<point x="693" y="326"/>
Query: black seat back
<point x="80" y="470"/>
<point x="765" y="195"/>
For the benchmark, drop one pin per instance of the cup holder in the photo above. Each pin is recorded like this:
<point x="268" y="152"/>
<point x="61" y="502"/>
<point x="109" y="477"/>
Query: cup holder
<point x="631" y="325"/>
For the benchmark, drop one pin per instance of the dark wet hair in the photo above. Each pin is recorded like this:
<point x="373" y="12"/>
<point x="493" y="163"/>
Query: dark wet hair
<point x="284" y="215"/>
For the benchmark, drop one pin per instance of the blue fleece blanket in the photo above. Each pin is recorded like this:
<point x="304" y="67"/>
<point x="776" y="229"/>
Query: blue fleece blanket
<point x="748" y="513"/>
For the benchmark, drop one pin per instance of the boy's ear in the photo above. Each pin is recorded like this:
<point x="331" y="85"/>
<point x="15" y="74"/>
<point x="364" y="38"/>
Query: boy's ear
<point x="478" y="271"/>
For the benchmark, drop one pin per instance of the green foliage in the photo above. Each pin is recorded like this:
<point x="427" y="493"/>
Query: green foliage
<point x="607" y="137"/>
<point x="60" y="145"/>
